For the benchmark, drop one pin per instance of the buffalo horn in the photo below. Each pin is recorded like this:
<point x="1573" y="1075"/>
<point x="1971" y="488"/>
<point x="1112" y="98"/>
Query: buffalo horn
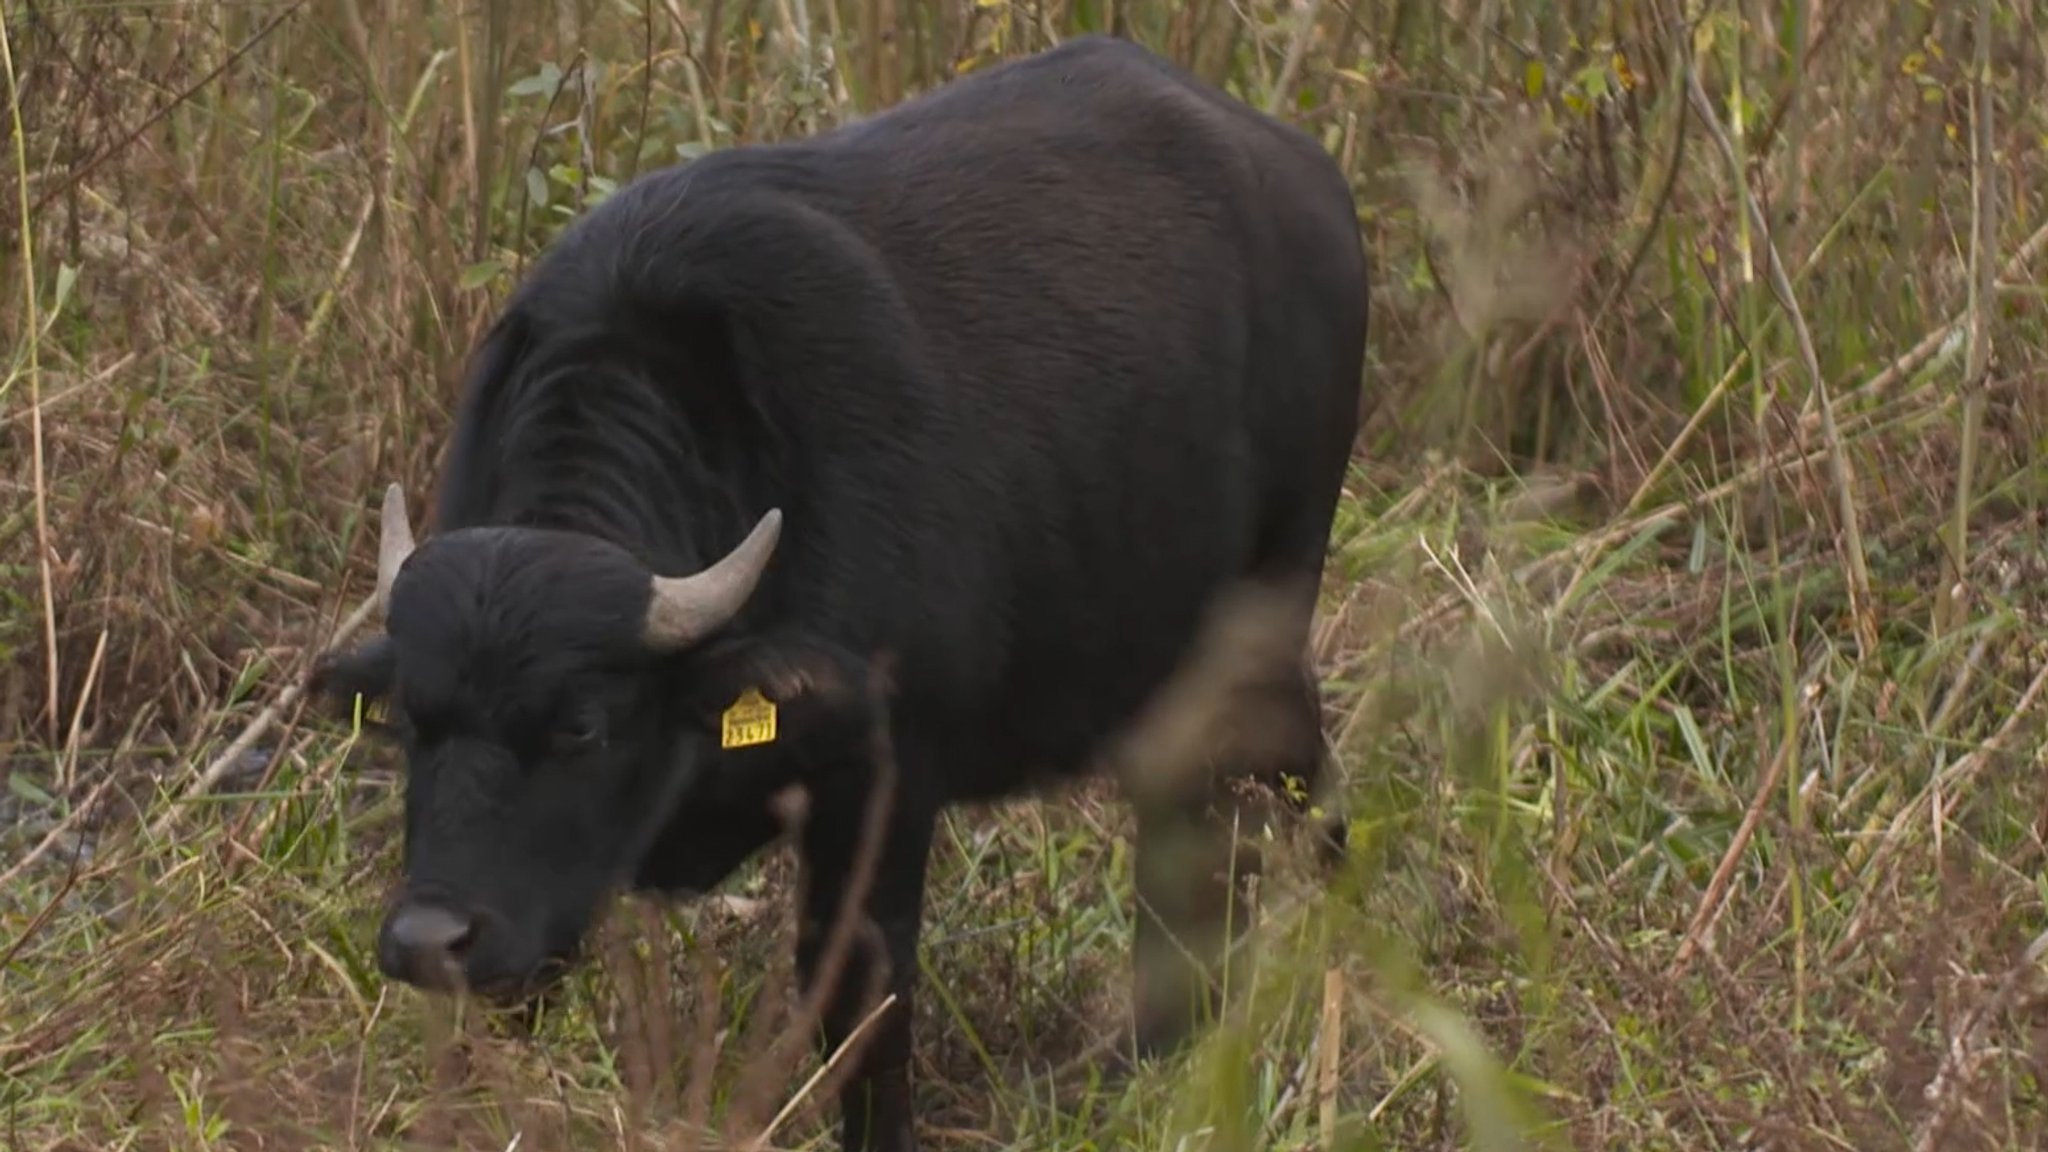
<point x="394" y="544"/>
<point x="683" y="609"/>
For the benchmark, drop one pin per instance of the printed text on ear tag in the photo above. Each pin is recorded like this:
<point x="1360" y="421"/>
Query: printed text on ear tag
<point x="750" y="720"/>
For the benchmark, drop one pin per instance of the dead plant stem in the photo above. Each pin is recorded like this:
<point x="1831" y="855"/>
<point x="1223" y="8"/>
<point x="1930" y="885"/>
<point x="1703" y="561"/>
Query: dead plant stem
<point x="1716" y="896"/>
<point x="1948" y="599"/>
<point x="31" y="337"/>
<point x="1861" y="608"/>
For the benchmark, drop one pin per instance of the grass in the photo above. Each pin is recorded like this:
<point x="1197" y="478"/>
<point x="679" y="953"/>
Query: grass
<point x="1682" y="641"/>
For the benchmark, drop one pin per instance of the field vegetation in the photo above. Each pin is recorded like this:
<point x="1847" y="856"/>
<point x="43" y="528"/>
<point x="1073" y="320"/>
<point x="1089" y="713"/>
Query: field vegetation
<point x="1683" y="639"/>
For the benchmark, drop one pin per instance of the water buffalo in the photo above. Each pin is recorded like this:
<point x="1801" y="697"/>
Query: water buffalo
<point x="1007" y="384"/>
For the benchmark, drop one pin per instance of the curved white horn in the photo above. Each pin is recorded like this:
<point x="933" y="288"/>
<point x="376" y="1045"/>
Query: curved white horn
<point x="685" y="608"/>
<point x="394" y="544"/>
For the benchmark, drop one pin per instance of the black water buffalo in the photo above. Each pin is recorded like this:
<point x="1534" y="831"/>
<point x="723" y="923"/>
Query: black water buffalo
<point x="1006" y="384"/>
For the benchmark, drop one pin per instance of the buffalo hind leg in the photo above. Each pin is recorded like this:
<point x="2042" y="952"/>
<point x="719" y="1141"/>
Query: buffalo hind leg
<point x="878" y="957"/>
<point x="1199" y="846"/>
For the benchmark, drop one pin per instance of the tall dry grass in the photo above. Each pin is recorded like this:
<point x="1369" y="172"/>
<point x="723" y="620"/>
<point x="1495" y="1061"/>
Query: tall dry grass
<point x="1682" y="637"/>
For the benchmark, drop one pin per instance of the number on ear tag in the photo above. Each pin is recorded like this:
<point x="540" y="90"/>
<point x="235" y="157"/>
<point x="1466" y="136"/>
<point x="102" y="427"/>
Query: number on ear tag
<point x="750" y="721"/>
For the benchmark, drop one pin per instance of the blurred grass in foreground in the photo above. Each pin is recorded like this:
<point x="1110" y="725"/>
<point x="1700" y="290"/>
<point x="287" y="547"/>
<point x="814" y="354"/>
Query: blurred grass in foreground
<point x="1683" y="626"/>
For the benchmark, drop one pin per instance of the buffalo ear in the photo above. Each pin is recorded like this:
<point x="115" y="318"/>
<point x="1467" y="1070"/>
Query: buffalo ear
<point x="368" y="671"/>
<point x="813" y="674"/>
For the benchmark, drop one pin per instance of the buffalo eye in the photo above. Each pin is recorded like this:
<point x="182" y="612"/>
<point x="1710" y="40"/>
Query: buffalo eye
<point x="580" y="729"/>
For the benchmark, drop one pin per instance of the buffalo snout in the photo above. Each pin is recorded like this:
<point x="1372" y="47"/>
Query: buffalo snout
<point x="424" y="943"/>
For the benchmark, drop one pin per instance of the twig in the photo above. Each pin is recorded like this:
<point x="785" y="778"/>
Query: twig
<point x="48" y="911"/>
<point x="68" y="776"/>
<point x="1860" y="606"/>
<point x="1711" y="904"/>
<point x="264" y="722"/>
<point x="824" y="1070"/>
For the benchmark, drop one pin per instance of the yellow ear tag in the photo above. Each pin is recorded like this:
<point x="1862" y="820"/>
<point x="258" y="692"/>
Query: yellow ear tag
<point x="750" y="720"/>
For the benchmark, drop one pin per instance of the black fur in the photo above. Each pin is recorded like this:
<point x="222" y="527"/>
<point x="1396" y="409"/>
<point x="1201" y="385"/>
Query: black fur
<point x="1034" y="365"/>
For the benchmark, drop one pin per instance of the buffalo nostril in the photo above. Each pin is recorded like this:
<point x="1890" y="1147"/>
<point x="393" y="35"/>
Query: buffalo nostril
<point x="429" y="939"/>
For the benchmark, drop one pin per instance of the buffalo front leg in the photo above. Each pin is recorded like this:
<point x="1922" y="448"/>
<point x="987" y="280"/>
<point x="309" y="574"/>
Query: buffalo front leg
<point x="1199" y="846"/>
<point x="1187" y="916"/>
<point x="854" y="953"/>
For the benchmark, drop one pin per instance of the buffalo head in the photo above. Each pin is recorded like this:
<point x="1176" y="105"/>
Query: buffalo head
<point x="541" y="682"/>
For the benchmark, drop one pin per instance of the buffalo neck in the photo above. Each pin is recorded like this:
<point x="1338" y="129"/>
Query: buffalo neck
<point x="599" y="446"/>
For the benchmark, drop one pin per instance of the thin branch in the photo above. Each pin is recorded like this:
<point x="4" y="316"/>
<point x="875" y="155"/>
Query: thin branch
<point x="830" y="1065"/>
